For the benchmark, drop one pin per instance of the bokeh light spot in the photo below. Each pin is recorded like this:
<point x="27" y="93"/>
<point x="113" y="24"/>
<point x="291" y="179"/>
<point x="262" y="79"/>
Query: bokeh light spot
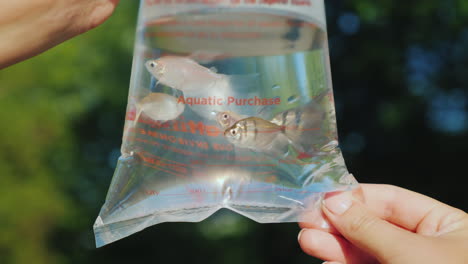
<point x="349" y="23"/>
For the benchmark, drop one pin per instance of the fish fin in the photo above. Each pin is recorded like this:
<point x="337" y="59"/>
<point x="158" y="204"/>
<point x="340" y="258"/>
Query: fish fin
<point x="153" y="84"/>
<point x="279" y="146"/>
<point x="295" y="142"/>
<point x="308" y="121"/>
<point x="205" y="57"/>
<point x="303" y="138"/>
<point x="265" y="112"/>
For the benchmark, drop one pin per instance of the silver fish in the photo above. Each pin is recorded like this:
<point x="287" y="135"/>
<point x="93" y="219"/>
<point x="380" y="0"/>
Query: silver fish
<point x="227" y="118"/>
<point x="259" y="135"/>
<point x="197" y="82"/>
<point x="185" y="74"/>
<point x="305" y="126"/>
<point x="159" y="107"/>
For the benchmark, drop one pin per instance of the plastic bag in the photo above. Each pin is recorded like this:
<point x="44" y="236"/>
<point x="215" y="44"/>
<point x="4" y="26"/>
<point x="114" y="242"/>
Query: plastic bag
<point x="230" y="106"/>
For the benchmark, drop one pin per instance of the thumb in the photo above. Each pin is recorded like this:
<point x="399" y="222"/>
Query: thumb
<point x="364" y="229"/>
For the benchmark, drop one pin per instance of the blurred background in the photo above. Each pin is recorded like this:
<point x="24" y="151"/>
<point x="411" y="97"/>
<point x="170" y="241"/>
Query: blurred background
<point x="400" y="73"/>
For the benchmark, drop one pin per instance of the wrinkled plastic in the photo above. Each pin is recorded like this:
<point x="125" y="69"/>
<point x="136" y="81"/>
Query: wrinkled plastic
<point x="230" y="106"/>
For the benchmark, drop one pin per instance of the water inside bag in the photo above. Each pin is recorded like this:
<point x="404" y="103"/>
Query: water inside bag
<point x="228" y="109"/>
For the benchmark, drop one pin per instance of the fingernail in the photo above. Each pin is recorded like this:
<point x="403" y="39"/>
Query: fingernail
<point x="338" y="204"/>
<point x="300" y="233"/>
<point x="324" y="224"/>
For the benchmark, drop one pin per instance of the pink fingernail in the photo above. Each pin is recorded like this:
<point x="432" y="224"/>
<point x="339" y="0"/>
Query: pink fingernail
<point x="300" y="233"/>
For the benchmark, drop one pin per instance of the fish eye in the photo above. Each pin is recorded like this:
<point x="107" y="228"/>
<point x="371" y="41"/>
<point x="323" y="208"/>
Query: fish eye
<point x="225" y="116"/>
<point x="152" y="64"/>
<point x="233" y="132"/>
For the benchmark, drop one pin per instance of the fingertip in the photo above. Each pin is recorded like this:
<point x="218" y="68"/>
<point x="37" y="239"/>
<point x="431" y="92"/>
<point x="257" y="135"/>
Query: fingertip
<point x="331" y="247"/>
<point x="101" y="12"/>
<point x="299" y="235"/>
<point x="306" y="237"/>
<point x="310" y="241"/>
<point x="316" y="219"/>
<point x="321" y="245"/>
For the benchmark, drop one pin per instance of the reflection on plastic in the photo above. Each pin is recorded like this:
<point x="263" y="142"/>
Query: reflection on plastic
<point x="238" y="115"/>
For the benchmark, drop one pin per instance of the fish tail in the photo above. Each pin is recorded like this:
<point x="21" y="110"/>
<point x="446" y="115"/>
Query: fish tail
<point x="303" y="126"/>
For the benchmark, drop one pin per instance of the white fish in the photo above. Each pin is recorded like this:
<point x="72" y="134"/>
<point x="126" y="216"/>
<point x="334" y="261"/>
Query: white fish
<point x="159" y="107"/>
<point x="198" y="82"/>
<point x="186" y="75"/>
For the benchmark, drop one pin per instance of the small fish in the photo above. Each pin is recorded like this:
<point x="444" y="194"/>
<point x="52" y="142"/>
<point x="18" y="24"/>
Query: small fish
<point x="227" y="118"/>
<point x="184" y="74"/>
<point x="159" y="107"/>
<point x="304" y="125"/>
<point x="196" y="81"/>
<point x="259" y="135"/>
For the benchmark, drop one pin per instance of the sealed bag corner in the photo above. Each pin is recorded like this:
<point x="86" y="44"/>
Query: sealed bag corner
<point x="230" y="106"/>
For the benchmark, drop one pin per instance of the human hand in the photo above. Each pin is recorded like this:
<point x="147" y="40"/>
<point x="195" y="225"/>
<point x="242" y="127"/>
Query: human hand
<point x="394" y="225"/>
<point x="28" y="28"/>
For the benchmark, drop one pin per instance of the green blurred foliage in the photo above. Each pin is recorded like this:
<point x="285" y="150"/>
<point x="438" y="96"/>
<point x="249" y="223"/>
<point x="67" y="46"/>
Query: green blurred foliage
<point x="42" y="99"/>
<point x="63" y="111"/>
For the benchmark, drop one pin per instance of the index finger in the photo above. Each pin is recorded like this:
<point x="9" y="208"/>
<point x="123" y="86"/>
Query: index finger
<point x="407" y="209"/>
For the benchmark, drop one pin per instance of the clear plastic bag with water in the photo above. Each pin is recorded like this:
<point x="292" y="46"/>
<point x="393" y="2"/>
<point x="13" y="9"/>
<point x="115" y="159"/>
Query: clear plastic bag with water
<point x="230" y="106"/>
